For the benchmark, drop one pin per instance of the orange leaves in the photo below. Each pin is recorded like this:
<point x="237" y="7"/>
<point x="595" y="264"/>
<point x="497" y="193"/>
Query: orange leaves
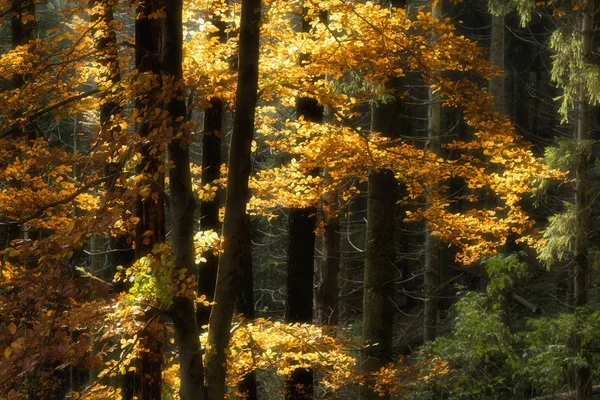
<point x="370" y="44"/>
<point x="281" y="347"/>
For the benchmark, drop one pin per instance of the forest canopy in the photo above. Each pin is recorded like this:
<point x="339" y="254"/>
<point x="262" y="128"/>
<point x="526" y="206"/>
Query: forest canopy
<point x="300" y="199"/>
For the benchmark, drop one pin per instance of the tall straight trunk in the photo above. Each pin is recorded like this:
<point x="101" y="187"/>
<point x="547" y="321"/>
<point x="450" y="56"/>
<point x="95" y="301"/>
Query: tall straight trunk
<point x="21" y="34"/>
<point x="380" y="258"/>
<point x="209" y="210"/>
<point x="299" y="285"/>
<point x="182" y="206"/>
<point x="235" y="201"/>
<point x="328" y="292"/>
<point x="106" y="44"/>
<point x="380" y="250"/>
<point x="146" y="382"/>
<point x="582" y="381"/>
<point x="244" y="302"/>
<point x="378" y="309"/>
<point x="150" y="211"/>
<point x="301" y="259"/>
<point x="328" y="288"/>
<point x="432" y="244"/>
<point x="497" y="84"/>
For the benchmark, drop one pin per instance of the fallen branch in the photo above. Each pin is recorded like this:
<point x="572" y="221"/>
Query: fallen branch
<point x="527" y="304"/>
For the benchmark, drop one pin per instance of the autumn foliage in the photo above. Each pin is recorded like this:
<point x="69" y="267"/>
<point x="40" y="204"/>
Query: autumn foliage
<point x="57" y="318"/>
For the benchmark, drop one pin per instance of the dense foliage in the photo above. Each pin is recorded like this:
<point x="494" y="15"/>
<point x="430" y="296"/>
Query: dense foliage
<point x="162" y="161"/>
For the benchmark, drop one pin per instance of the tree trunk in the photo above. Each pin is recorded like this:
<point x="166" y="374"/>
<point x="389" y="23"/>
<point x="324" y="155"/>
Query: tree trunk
<point x="327" y="290"/>
<point x="244" y="302"/>
<point x="582" y="381"/>
<point x="182" y="206"/>
<point x="299" y="284"/>
<point x="497" y="84"/>
<point x="21" y="34"/>
<point x="209" y="210"/>
<point x="146" y="382"/>
<point x="301" y="260"/>
<point x="235" y="201"/>
<point x="432" y="244"/>
<point x="380" y="251"/>
<point x="106" y="44"/>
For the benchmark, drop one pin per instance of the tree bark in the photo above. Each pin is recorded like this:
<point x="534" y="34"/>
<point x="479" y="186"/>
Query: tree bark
<point x="244" y="302"/>
<point x="497" y="84"/>
<point x="380" y="251"/>
<point x="582" y="382"/>
<point x="235" y="201"/>
<point x="146" y="382"/>
<point x="299" y="284"/>
<point x="21" y="34"/>
<point x="301" y="259"/>
<point x="182" y="206"/>
<point x="432" y="244"/>
<point x="209" y="210"/>
<point x="328" y="288"/>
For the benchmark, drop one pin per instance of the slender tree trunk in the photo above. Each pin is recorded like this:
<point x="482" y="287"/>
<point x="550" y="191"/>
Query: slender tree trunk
<point x="380" y="249"/>
<point x="209" y="210"/>
<point x="146" y="382"/>
<point x="497" y="84"/>
<point x="582" y="382"/>
<point x="21" y="34"/>
<point x="150" y="211"/>
<point x="301" y="260"/>
<point x="106" y="44"/>
<point x="244" y="302"/>
<point x="235" y="201"/>
<point x="378" y="310"/>
<point x="182" y="206"/>
<point x="299" y="284"/>
<point x="432" y="244"/>
<point x="328" y="290"/>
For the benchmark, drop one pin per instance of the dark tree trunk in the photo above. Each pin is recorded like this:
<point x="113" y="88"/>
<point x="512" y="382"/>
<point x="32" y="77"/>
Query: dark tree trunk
<point x="209" y="210"/>
<point x="299" y="284"/>
<point x="21" y="34"/>
<point x="380" y="258"/>
<point x="497" y="84"/>
<point x="328" y="289"/>
<point x="146" y="382"/>
<point x="182" y="206"/>
<point x="235" y="202"/>
<point x="432" y="244"/>
<point x="583" y="377"/>
<point x="106" y="44"/>
<point x="301" y="260"/>
<point x="380" y="250"/>
<point x="244" y="302"/>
